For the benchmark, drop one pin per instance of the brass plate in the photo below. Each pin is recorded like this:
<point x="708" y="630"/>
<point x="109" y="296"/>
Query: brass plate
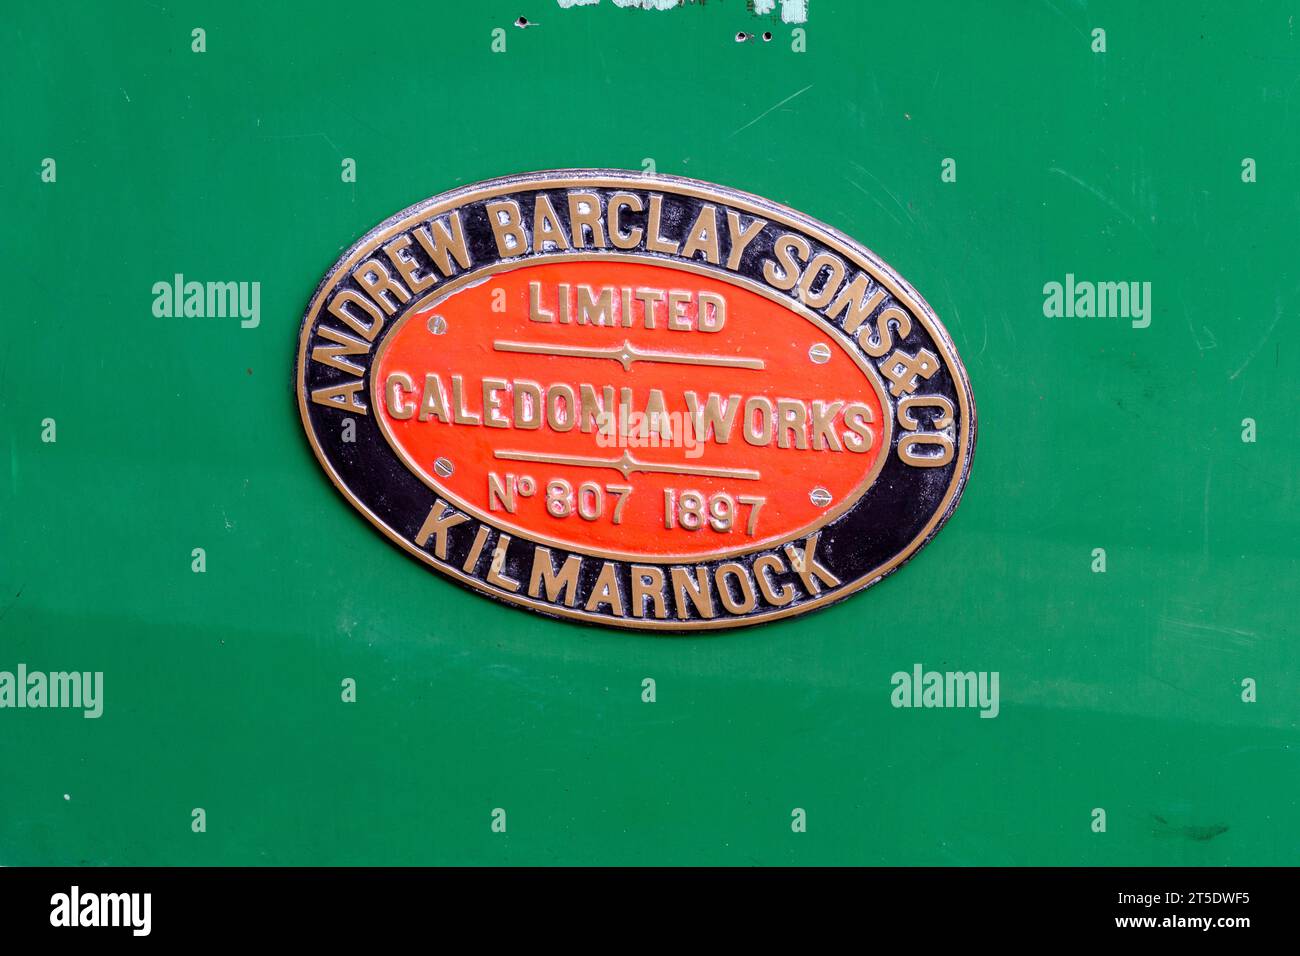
<point x="642" y="401"/>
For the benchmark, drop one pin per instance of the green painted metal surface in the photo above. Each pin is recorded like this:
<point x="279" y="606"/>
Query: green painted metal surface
<point x="1119" y="690"/>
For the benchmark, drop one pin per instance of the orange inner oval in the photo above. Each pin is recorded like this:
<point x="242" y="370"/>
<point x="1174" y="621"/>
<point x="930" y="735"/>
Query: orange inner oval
<point x="470" y="375"/>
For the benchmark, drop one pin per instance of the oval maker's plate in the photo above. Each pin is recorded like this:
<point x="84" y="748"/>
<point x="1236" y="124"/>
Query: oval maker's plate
<point x="642" y="401"/>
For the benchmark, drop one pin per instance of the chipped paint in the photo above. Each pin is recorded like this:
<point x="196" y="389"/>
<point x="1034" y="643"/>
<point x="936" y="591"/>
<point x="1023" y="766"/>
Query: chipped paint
<point x="792" y="11"/>
<point x="646" y="4"/>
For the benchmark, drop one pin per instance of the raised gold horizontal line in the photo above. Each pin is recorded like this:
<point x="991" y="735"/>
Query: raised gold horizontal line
<point x="627" y="354"/>
<point x="628" y="465"/>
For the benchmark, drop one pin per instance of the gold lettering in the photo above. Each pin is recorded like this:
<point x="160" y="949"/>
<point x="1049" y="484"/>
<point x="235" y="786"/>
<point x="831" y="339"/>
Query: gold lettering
<point x="779" y="597"/>
<point x="544" y="575"/>
<point x="648" y="582"/>
<point x="460" y="414"/>
<point x="330" y="354"/>
<point x="737" y="572"/>
<point x="784" y="273"/>
<point x="858" y="308"/>
<point x="443" y="243"/>
<point x="434" y="402"/>
<point x="606" y="591"/>
<point x="380" y="284"/>
<point x="535" y="310"/>
<point x="821" y="261"/>
<point x="492" y="417"/>
<point x="700" y="592"/>
<point x="496" y="570"/>
<point x="741" y="238"/>
<point x="656" y="242"/>
<point x="340" y="396"/>
<point x="400" y="256"/>
<point x="584" y="211"/>
<point x="809" y="569"/>
<point x="338" y="308"/>
<point x="506" y="228"/>
<point x="396" y="381"/>
<point x="442" y="517"/>
<point x="703" y="235"/>
<point x="546" y="226"/>
<point x="593" y="310"/>
<point x="618" y="202"/>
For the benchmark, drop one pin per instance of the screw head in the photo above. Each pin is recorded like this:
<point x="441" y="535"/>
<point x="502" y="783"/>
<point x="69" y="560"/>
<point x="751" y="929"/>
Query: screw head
<point x="820" y="353"/>
<point x="437" y="324"/>
<point x="443" y="467"/>
<point x="820" y="497"/>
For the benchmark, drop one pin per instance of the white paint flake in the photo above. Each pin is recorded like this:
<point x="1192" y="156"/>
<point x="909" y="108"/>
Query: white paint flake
<point x="792" y="11"/>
